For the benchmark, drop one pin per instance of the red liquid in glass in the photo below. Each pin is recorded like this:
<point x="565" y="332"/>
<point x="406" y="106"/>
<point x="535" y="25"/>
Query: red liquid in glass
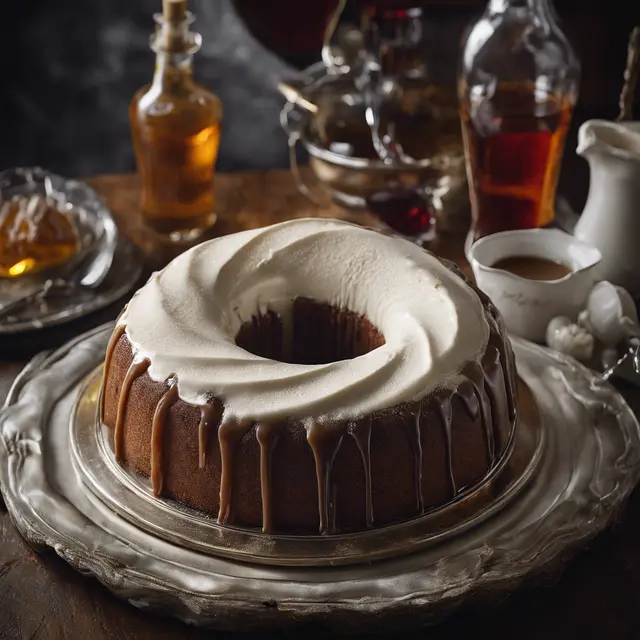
<point x="407" y="211"/>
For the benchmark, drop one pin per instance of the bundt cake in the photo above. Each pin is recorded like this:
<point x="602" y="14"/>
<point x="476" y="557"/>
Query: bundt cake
<point x="310" y="377"/>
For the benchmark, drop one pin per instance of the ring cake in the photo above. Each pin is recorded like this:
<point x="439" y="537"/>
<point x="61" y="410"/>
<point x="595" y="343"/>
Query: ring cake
<point x="310" y="377"/>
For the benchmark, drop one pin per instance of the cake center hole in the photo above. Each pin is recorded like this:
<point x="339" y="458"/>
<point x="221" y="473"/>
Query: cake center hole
<point x="317" y="333"/>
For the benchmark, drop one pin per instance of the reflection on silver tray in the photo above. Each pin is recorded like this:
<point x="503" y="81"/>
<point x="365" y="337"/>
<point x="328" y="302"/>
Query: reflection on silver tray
<point x="130" y="495"/>
<point x="591" y="463"/>
<point x="98" y="235"/>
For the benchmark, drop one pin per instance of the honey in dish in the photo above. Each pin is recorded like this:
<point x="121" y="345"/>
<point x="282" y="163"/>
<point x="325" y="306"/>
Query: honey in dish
<point x="36" y="234"/>
<point x="533" y="268"/>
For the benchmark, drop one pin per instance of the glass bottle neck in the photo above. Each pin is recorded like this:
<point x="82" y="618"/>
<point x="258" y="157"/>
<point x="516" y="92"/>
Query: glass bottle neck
<point x="173" y="70"/>
<point x="175" y="45"/>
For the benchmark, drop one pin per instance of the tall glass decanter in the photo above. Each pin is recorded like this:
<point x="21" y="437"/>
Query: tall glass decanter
<point x="517" y="88"/>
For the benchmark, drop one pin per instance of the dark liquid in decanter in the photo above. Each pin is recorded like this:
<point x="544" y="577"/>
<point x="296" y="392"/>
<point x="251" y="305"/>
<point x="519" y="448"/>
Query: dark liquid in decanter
<point x="514" y="143"/>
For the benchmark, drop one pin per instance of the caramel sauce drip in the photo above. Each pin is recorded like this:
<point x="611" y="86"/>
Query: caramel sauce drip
<point x="230" y="433"/>
<point x="477" y="376"/>
<point x="210" y="415"/>
<point x="267" y="436"/>
<point x="324" y="443"/>
<point x="493" y="375"/>
<point x="467" y="394"/>
<point x="334" y="511"/>
<point x="133" y="373"/>
<point x="157" y="436"/>
<point x="506" y="356"/>
<point x="113" y="341"/>
<point x="446" y="413"/>
<point x="361" y="433"/>
<point x="412" y="424"/>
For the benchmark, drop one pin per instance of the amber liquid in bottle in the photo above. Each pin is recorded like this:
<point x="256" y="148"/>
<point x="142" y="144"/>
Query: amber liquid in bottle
<point x="514" y="143"/>
<point x="175" y="126"/>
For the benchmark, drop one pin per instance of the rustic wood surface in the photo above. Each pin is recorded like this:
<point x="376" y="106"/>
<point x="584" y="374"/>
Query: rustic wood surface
<point x="597" y="595"/>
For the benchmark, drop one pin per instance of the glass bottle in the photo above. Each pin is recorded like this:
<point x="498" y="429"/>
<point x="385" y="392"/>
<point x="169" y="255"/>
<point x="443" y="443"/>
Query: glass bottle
<point x="517" y="88"/>
<point x="175" y="127"/>
<point x="411" y="108"/>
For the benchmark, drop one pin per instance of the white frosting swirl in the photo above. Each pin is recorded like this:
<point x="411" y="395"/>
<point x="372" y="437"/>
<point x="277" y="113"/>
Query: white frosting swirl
<point x="186" y="317"/>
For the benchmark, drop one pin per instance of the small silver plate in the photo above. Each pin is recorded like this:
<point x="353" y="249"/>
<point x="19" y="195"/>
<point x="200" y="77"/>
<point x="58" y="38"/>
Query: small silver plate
<point x="96" y="228"/>
<point x="589" y="466"/>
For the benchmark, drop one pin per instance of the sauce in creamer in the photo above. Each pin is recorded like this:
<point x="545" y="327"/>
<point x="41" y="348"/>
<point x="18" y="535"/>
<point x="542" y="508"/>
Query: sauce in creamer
<point x="533" y="268"/>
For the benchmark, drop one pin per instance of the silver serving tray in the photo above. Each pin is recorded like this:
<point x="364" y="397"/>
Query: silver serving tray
<point x="591" y="463"/>
<point x="130" y="495"/>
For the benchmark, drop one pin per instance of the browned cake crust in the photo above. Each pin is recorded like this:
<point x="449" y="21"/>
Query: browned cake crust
<point x="382" y="469"/>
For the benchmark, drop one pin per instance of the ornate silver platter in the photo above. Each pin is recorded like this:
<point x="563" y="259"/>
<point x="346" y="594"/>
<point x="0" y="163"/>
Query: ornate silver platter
<point x="590" y="464"/>
<point x="131" y="496"/>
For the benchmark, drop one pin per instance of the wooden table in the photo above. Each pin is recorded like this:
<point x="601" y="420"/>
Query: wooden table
<point x="598" y="594"/>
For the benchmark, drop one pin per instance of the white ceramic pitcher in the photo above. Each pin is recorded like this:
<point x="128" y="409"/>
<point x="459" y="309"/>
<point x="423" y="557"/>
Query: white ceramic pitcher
<point x="611" y="217"/>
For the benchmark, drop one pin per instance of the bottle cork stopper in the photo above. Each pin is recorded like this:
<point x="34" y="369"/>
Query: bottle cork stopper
<point x="174" y="10"/>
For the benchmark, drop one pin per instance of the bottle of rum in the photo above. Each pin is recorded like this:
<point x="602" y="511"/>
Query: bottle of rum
<point x="175" y="126"/>
<point x="517" y="88"/>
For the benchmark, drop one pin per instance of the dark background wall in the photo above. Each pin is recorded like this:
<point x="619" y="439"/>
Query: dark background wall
<point x="70" y="67"/>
